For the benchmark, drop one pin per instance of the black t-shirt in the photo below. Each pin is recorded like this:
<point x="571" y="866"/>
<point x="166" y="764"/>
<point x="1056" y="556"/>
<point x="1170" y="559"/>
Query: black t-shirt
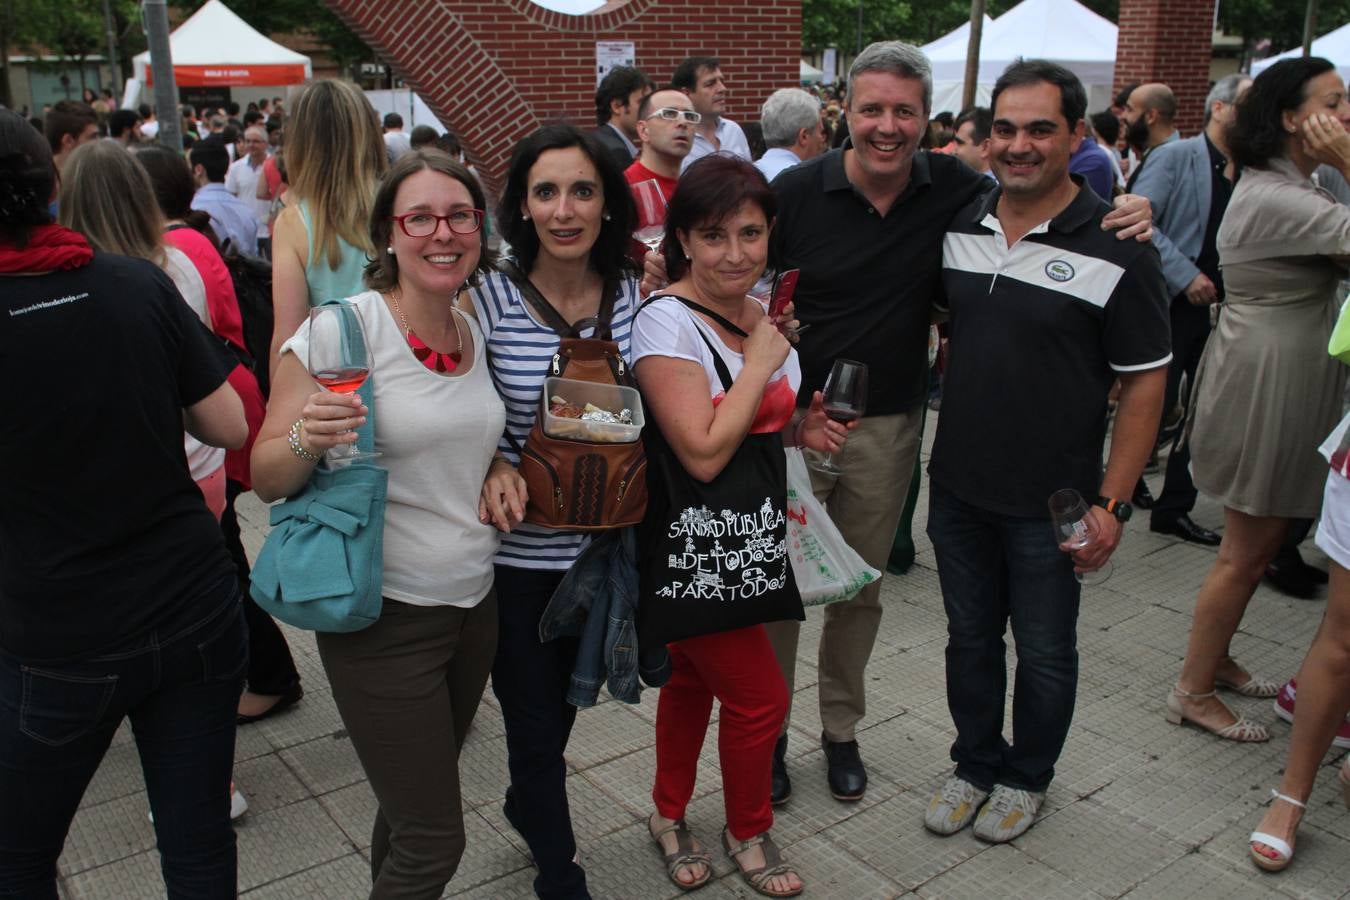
<point x="1039" y="333"/>
<point x="868" y="282"/>
<point x="103" y="534"/>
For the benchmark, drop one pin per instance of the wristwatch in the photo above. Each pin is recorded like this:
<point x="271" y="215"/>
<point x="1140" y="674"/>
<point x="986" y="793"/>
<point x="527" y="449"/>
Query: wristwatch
<point x="1118" y="508"/>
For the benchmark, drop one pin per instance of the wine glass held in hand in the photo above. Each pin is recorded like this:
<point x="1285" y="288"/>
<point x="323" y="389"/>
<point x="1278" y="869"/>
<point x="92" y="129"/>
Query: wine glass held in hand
<point x="1075" y="528"/>
<point x="844" y="400"/>
<point x="339" y="360"/>
<point x="651" y="214"/>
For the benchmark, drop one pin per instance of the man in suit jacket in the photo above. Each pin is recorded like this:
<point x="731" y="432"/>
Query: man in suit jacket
<point x="1149" y="113"/>
<point x="616" y="111"/>
<point x="1189" y="183"/>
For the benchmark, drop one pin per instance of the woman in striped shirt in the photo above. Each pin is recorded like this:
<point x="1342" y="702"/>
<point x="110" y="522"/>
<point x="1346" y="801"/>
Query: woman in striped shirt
<point x="567" y="213"/>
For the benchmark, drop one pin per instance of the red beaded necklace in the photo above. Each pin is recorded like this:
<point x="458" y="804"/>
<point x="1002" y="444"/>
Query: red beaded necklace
<point x="434" y="360"/>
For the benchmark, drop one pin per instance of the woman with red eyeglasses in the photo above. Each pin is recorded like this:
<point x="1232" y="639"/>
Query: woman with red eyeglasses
<point x="408" y="686"/>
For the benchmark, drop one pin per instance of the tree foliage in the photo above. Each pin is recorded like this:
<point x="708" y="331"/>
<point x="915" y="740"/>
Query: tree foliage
<point x="1279" y="21"/>
<point x="834" y="23"/>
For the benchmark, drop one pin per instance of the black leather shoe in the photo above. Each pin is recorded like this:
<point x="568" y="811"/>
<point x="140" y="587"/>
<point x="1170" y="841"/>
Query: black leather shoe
<point x="1181" y="526"/>
<point x="1143" y="497"/>
<point x="285" y="702"/>
<point x="847" y="777"/>
<point x="782" y="785"/>
<point x="1292" y="579"/>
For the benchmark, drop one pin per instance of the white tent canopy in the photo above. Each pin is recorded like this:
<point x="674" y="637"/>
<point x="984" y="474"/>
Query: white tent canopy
<point x="809" y="74"/>
<point x="217" y="48"/>
<point x="959" y="36"/>
<point x="1334" y="46"/>
<point x="1061" y="31"/>
<point x="947" y="95"/>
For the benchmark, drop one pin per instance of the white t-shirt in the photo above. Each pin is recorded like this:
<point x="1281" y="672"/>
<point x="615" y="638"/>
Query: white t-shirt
<point x="666" y="327"/>
<point x="203" y="459"/>
<point x="242" y="181"/>
<point x="437" y="434"/>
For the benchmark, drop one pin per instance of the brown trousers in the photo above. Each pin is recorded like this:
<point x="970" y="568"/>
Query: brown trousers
<point x="407" y="689"/>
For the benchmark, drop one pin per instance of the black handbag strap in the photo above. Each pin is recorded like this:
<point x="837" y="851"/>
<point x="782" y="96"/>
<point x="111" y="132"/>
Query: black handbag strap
<point x="722" y="371"/>
<point x="552" y="318"/>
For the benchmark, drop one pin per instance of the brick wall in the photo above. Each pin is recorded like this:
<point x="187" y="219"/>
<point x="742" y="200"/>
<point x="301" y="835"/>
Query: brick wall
<point x="494" y="70"/>
<point x="1168" y="41"/>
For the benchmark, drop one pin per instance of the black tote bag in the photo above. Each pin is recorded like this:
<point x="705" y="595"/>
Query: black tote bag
<point x="713" y="556"/>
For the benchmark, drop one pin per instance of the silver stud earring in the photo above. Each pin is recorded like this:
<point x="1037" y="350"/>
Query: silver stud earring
<point x="524" y="217"/>
<point x="389" y="249"/>
<point x="606" y="216"/>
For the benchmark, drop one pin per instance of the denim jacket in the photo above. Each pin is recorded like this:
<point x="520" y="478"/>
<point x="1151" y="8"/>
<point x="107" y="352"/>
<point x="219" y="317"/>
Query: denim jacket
<point x="597" y="602"/>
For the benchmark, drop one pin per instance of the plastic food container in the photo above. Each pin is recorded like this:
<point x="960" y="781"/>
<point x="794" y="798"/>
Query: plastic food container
<point x="610" y="397"/>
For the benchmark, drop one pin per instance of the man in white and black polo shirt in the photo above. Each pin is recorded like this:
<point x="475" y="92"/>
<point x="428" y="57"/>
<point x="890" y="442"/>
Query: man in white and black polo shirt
<point x="1047" y="311"/>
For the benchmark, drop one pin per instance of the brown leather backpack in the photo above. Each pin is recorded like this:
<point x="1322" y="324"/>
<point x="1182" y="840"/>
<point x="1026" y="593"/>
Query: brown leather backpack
<point x="575" y="484"/>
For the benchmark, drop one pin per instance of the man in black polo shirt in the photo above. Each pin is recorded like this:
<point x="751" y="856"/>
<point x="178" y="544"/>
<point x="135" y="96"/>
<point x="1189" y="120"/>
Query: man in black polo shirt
<point x="864" y="223"/>
<point x="1046" y="313"/>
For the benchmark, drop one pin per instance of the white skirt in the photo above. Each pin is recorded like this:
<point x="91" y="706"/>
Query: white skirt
<point x="1333" y="532"/>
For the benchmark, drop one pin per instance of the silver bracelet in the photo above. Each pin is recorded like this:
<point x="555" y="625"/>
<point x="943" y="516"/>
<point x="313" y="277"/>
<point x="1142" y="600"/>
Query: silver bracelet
<point x="293" y="438"/>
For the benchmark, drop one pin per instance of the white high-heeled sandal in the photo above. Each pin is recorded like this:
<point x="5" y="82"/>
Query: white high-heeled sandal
<point x="1279" y="845"/>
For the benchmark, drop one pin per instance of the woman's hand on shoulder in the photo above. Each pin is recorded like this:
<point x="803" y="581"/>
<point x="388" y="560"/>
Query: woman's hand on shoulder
<point x="819" y="432"/>
<point x="765" y="346"/>
<point x="504" y="496"/>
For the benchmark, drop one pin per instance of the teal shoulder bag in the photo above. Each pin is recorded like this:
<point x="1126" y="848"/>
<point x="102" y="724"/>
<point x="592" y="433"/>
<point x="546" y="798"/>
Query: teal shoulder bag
<point x="321" y="567"/>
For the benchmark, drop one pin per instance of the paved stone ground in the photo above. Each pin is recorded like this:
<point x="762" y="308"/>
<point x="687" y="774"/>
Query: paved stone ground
<point x="1139" y="809"/>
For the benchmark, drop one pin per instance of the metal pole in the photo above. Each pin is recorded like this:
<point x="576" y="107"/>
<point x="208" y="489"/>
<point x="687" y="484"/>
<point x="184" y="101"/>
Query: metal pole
<point x="1309" y="26"/>
<point x="112" y="50"/>
<point x="156" y="14"/>
<point x="860" y="20"/>
<point x="973" y="54"/>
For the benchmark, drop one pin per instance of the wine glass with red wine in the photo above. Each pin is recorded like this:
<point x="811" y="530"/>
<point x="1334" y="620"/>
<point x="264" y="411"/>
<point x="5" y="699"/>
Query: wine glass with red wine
<point x="845" y="399"/>
<point x="339" y="360"/>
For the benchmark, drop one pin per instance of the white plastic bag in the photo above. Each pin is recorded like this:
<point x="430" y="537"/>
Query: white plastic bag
<point x="826" y="568"/>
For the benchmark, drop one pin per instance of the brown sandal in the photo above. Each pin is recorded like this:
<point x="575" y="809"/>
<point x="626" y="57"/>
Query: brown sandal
<point x="772" y="868"/>
<point x="683" y="856"/>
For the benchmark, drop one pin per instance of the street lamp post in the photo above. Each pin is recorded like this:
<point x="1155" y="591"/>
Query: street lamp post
<point x="156" y="14"/>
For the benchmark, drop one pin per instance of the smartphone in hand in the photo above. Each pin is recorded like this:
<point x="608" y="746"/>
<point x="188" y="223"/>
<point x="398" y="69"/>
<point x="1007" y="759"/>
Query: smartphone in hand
<point x="784" y="286"/>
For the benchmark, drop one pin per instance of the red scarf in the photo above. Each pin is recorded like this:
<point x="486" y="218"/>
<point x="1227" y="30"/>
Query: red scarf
<point x="49" y="247"/>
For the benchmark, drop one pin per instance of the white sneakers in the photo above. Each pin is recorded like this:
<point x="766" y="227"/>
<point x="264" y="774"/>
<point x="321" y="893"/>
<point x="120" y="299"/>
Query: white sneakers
<point x="954" y="806"/>
<point x="1002" y="815"/>
<point x="1008" y="814"/>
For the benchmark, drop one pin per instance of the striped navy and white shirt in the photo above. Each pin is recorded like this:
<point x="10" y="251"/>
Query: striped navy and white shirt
<point x="1040" y="330"/>
<point x="521" y="350"/>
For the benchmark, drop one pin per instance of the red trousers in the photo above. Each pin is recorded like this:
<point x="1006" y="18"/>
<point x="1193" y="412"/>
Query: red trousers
<point x="740" y="670"/>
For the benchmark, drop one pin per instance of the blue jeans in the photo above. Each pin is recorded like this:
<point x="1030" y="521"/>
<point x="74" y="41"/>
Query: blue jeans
<point x="181" y="691"/>
<point x="995" y="568"/>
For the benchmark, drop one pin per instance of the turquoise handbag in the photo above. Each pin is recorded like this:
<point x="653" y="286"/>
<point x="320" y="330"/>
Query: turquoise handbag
<point x="321" y="567"/>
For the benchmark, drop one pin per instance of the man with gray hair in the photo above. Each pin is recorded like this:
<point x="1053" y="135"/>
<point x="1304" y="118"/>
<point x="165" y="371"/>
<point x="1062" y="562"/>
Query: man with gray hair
<point x="242" y="181"/>
<point x="793" y="130"/>
<point x="864" y="223"/>
<point x="1189" y="182"/>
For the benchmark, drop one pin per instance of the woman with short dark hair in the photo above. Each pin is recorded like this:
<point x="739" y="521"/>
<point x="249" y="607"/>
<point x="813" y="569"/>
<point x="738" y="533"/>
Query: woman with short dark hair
<point x="117" y="597"/>
<point x="1266" y="395"/>
<point x="698" y="335"/>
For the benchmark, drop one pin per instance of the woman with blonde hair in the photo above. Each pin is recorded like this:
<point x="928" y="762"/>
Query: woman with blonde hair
<point x="109" y="199"/>
<point x="321" y="240"/>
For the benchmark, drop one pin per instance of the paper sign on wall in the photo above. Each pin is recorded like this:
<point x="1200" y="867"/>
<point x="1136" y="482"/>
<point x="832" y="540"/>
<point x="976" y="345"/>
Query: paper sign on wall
<point x="609" y="54"/>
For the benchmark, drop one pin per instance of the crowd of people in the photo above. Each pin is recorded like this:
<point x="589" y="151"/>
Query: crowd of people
<point x="1094" y="274"/>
